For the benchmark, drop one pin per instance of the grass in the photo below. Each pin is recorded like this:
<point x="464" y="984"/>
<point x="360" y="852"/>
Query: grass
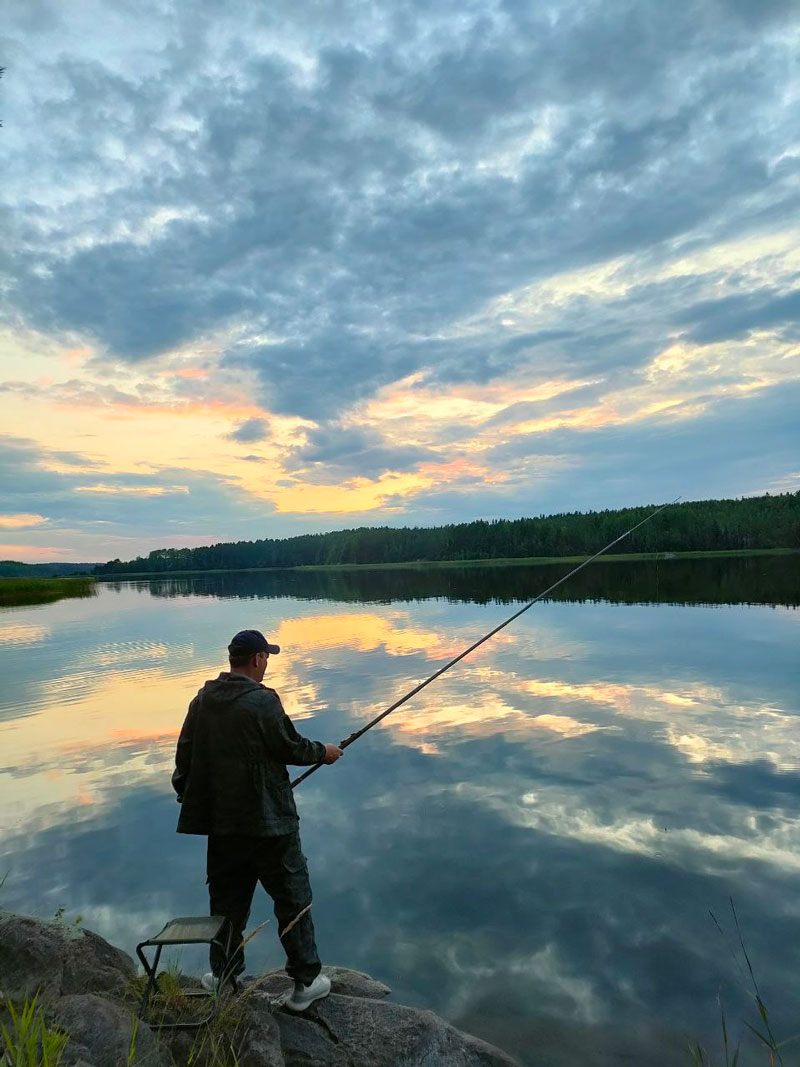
<point x="212" y="1046"/>
<point x="130" y="1060"/>
<point x="28" y="1040"/>
<point x="215" y="1044"/>
<point x="764" y="1031"/>
<point x="17" y="591"/>
<point x="424" y="565"/>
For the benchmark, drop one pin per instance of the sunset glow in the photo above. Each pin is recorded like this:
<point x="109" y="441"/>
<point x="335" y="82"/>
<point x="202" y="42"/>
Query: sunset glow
<point x="275" y="341"/>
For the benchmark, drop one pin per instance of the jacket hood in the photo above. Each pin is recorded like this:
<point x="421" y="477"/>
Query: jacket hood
<point x="228" y="687"/>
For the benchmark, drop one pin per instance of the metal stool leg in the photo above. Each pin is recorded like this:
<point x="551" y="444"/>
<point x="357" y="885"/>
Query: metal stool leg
<point x="152" y="976"/>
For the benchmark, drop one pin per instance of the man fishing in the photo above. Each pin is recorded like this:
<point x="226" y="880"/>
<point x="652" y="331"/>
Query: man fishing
<point x="232" y="785"/>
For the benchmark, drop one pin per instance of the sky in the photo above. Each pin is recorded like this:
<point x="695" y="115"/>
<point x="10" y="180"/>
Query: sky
<point x="279" y="268"/>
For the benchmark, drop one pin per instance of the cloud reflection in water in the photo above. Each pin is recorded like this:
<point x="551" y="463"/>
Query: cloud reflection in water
<point x="531" y="846"/>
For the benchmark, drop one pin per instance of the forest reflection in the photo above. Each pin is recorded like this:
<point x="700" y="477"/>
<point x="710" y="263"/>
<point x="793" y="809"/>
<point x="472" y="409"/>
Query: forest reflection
<point x="717" y="580"/>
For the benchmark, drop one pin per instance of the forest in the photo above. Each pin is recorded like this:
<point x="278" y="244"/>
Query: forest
<point x="758" y="522"/>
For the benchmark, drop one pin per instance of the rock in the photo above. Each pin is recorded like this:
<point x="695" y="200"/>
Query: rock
<point x="358" y="1030"/>
<point x="353" y="1027"/>
<point x="343" y="980"/>
<point x="361" y="1032"/>
<point x="307" y="1042"/>
<point x="181" y="1044"/>
<point x="58" y="958"/>
<point x="260" y="1043"/>
<point x="101" y="1031"/>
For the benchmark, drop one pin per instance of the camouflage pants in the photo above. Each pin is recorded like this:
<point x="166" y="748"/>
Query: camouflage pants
<point x="236" y="863"/>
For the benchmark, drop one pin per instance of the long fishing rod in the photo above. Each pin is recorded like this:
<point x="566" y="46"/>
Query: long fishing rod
<point x="358" y="733"/>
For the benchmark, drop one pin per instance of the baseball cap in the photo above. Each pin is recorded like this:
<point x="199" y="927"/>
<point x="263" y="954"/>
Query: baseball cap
<point x="251" y="641"/>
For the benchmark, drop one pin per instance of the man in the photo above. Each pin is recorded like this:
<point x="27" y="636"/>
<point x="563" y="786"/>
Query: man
<point x="232" y="785"/>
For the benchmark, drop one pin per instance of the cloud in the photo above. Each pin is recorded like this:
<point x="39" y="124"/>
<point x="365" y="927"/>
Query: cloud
<point x="243" y="215"/>
<point x="736" y="316"/>
<point x="124" y="517"/>
<point x="26" y="553"/>
<point x="19" y="522"/>
<point x="345" y="452"/>
<point x="343" y="182"/>
<point x="132" y="490"/>
<point x="250" y="430"/>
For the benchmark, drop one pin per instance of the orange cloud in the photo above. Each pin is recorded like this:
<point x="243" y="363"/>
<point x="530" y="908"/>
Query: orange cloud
<point x="357" y="495"/>
<point x="461" y="467"/>
<point x="406" y="400"/>
<point x="185" y="372"/>
<point x="133" y="490"/>
<point x="362" y="632"/>
<point x="75" y="356"/>
<point x="32" y="553"/>
<point x="21" y="520"/>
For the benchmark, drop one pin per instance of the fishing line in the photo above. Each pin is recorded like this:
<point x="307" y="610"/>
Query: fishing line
<point x="374" y="722"/>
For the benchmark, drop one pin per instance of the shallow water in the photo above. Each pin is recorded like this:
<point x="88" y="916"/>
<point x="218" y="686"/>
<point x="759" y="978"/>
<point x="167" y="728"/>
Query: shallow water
<point x="530" y="847"/>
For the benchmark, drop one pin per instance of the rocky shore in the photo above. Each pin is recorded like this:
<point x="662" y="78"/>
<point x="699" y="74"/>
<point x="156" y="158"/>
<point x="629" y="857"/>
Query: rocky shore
<point x="88" y="989"/>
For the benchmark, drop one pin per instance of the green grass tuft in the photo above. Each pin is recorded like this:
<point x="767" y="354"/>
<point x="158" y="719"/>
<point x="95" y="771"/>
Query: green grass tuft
<point x="28" y="1040"/>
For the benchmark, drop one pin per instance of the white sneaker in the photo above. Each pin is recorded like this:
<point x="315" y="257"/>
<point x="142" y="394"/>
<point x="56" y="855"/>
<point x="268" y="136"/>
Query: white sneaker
<point x="209" y="982"/>
<point x="305" y="995"/>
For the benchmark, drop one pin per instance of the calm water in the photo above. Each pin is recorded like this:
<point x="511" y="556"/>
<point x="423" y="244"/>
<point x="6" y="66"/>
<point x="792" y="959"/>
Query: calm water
<point x="531" y="847"/>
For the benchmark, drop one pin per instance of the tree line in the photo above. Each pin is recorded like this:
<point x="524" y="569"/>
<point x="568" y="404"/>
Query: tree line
<point x="769" y="521"/>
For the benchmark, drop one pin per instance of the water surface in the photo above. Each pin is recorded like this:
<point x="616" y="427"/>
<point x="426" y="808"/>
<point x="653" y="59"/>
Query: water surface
<point x="531" y="846"/>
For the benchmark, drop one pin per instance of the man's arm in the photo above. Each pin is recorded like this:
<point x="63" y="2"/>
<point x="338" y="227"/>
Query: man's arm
<point x="183" y="753"/>
<point x="285" y="743"/>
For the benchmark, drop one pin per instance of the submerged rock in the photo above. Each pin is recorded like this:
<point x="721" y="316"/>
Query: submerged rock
<point x="85" y="986"/>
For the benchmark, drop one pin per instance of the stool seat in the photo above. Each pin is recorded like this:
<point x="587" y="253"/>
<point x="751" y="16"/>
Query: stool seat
<point x="189" y="930"/>
<point x="185" y="930"/>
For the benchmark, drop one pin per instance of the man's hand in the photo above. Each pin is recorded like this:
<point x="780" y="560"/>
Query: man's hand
<point x="332" y="753"/>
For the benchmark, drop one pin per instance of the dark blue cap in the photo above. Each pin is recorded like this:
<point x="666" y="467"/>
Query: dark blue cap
<point x="248" y="642"/>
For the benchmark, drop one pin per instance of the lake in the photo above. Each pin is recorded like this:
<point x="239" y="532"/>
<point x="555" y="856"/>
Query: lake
<point x="530" y="847"/>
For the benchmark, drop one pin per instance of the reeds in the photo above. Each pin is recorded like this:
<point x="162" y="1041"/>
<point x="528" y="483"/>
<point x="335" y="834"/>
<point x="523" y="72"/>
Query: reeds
<point x="17" y="591"/>
<point x="764" y="1031"/>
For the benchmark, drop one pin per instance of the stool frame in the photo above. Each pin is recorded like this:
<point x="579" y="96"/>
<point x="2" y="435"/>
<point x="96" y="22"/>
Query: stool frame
<point x="207" y="930"/>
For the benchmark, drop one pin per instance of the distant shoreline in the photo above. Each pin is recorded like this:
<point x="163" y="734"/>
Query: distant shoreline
<point x="510" y="561"/>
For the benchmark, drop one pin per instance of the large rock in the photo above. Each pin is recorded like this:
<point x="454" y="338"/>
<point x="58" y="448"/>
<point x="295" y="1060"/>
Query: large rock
<point x="102" y="1033"/>
<point x="358" y="1032"/>
<point x="306" y="1042"/>
<point x="58" y="958"/>
<point x="260" y="1040"/>
<point x="343" y="980"/>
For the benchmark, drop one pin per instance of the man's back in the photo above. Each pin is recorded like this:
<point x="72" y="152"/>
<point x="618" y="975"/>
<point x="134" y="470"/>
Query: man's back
<point x="231" y="761"/>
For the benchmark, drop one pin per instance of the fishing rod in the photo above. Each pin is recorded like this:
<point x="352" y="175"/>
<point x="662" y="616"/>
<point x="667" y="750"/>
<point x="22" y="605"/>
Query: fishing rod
<point x="374" y="722"/>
